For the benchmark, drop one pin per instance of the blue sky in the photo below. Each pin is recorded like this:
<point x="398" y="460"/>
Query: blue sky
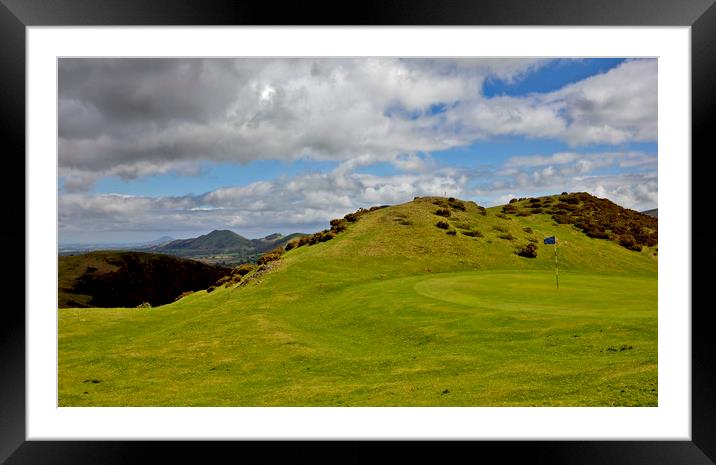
<point x="553" y="76"/>
<point x="263" y="146"/>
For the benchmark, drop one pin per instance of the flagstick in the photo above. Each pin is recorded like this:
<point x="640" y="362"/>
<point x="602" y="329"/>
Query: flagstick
<point x="556" y="268"/>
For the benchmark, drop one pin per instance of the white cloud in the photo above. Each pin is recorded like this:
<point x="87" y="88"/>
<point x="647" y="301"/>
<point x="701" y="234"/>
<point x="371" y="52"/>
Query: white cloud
<point x="617" y="106"/>
<point x="601" y="174"/>
<point x="305" y="203"/>
<point x="542" y="160"/>
<point x="614" y="107"/>
<point x="132" y="118"/>
<point x="308" y="201"/>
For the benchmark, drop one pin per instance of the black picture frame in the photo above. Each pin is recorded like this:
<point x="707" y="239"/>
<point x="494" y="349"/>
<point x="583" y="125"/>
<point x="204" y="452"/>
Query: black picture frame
<point x="16" y="15"/>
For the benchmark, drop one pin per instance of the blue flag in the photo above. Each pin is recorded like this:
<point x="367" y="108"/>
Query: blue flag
<point x="550" y="240"/>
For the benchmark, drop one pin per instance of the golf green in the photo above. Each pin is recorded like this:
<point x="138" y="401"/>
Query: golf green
<point x="480" y="338"/>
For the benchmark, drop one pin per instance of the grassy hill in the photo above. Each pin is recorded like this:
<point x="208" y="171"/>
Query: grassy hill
<point x="128" y="279"/>
<point x="388" y="308"/>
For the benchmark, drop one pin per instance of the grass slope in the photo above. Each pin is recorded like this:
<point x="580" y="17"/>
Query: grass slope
<point x="393" y="311"/>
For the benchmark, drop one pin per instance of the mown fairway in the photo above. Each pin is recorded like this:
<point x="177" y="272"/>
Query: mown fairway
<point x="389" y="314"/>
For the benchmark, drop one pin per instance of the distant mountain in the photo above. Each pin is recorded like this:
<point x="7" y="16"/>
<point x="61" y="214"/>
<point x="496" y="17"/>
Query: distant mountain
<point x="215" y="242"/>
<point x="653" y="212"/>
<point x="128" y="279"/>
<point x="224" y="246"/>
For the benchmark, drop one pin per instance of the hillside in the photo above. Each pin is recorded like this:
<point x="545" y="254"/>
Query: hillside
<point x="405" y="240"/>
<point x="423" y="303"/>
<point x="128" y="279"/>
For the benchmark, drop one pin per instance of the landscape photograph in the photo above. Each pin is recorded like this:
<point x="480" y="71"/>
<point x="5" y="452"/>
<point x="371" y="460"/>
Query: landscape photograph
<point x="357" y="232"/>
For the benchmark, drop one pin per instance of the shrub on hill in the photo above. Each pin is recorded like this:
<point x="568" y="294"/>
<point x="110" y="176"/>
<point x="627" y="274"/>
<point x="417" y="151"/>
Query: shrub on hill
<point x="593" y="230"/>
<point x="183" y="294"/>
<point x="567" y="207"/>
<point x="603" y="219"/>
<point x="509" y="209"/>
<point x="483" y="210"/>
<point x="507" y="237"/>
<point x="562" y="218"/>
<point x="244" y="269"/>
<point x="524" y="213"/>
<point x="237" y="274"/>
<point x="322" y="236"/>
<point x="305" y="240"/>
<point x="351" y="217"/>
<point x="271" y="256"/>
<point x="456" y="204"/>
<point x="443" y="212"/>
<point x="499" y="228"/>
<point x="528" y="230"/>
<point x="529" y="251"/>
<point x="451" y="232"/>
<point x="442" y="225"/>
<point x="629" y="242"/>
<point x="339" y="225"/>
<point x="474" y="233"/>
<point x="224" y="280"/>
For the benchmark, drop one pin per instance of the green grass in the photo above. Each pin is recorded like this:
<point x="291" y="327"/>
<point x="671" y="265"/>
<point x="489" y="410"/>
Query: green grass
<point x="389" y="314"/>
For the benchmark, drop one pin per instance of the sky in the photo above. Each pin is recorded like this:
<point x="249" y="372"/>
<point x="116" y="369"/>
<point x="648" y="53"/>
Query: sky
<point x="152" y="147"/>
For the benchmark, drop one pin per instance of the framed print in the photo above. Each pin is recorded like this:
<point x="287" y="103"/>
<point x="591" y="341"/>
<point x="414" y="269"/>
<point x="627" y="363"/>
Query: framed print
<point x="418" y="223"/>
